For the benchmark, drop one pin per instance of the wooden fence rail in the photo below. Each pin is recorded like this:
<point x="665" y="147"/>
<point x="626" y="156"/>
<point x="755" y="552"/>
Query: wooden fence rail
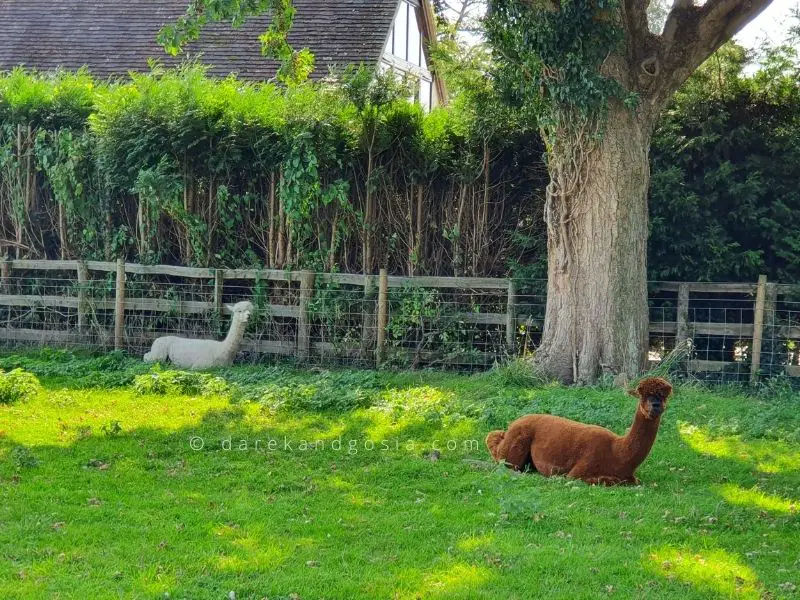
<point x="764" y="302"/>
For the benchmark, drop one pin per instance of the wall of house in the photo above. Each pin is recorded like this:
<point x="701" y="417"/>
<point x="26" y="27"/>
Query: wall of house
<point x="405" y="52"/>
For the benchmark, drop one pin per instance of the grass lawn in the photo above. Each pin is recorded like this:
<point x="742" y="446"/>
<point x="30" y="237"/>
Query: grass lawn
<point x="106" y="492"/>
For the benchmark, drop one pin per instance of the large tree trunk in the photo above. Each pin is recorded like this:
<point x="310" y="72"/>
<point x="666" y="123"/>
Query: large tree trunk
<point x="597" y="317"/>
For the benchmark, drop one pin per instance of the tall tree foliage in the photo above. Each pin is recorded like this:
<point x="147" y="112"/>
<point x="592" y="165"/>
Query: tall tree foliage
<point x="598" y="79"/>
<point x="724" y="194"/>
<point x="460" y="16"/>
<point x="296" y="65"/>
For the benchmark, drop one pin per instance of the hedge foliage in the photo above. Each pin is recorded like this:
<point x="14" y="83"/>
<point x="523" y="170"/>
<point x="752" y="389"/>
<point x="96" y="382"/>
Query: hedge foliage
<point x="171" y="166"/>
<point x="725" y="189"/>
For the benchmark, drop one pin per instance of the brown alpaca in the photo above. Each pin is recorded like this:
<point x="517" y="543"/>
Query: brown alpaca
<point x="557" y="446"/>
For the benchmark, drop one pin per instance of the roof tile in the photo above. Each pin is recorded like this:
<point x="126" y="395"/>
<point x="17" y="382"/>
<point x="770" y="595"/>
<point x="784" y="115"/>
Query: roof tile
<point x="113" y="37"/>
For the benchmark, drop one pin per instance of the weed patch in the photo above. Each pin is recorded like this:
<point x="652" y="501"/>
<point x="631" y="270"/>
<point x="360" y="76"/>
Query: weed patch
<point x="17" y="385"/>
<point x="180" y="383"/>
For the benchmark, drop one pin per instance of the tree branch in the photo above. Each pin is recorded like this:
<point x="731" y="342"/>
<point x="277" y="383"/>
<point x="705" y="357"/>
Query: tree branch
<point x="295" y="65"/>
<point x="679" y="9"/>
<point x="693" y="33"/>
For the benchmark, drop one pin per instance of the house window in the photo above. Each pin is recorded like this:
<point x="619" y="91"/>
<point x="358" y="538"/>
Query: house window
<point x="425" y="90"/>
<point x="405" y="40"/>
<point x="400" y="49"/>
<point x="414" y="37"/>
<point x="405" y="54"/>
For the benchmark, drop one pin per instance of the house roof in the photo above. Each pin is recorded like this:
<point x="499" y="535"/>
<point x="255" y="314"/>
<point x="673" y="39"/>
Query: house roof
<point x="113" y="37"/>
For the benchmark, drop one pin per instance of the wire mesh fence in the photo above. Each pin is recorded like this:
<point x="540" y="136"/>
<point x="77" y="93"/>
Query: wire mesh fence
<point x="736" y="331"/>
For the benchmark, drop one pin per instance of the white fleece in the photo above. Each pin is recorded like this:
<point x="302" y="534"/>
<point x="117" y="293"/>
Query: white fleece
<point x="203" y="354"/>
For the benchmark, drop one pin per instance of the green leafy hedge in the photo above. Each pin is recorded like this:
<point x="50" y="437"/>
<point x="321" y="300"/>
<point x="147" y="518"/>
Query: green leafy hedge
<point x="172" y="166"/>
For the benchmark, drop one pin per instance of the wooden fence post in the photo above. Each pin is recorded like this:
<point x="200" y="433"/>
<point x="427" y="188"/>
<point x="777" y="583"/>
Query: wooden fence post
<point x="511" y="318"/>
<point x="304" y="322"/>
<point x="119" y="305"/>
<point x="83" y="295"/>
<point x="758" y="327"/>
<point x="219" y="284"/>
<point x="682" y="328"/>
<point x="383" y="314"/>
<point x="768" y="331"/>
<point x="5" y="274"/>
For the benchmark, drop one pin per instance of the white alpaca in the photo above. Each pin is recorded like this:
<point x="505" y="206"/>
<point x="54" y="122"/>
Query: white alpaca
<point x="203" y="354"/>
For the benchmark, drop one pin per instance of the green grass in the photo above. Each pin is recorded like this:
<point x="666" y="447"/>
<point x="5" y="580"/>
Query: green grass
<point x="102" y="496"/>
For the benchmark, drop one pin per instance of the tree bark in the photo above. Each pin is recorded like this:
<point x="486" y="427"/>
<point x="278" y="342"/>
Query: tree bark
<point x="597" y="317"/>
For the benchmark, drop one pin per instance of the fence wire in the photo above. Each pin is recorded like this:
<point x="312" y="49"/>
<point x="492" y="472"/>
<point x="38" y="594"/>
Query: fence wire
<point x="450" y="326"/>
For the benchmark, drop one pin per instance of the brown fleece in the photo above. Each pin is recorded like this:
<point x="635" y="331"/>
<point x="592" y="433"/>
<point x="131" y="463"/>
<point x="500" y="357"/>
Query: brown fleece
<point x="556" y="446"/>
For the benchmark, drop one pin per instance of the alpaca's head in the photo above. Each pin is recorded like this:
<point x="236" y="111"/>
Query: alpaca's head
<point x="241" y="311"/>
<point x="653" y="394"/>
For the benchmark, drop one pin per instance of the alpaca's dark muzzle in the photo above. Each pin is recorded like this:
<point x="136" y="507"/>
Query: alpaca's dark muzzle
<point x="657" y="406"/>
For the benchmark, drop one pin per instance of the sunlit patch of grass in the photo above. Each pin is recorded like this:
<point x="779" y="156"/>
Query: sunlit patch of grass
<point x="756" y="498"/>
<point x="715" y="571"/>
<point x="48" y="420"/>
<point x="155" y="578"/>
<point x="224" y="530"/>
<point x="459" y="580"/>
<point x="250" y="553"/>
<point x="350" y="493"/>
<point x="379" y="429"/>
<point x="765" y="455"/>
<point x="476" y="542"/>
<point x="423" y="401"/>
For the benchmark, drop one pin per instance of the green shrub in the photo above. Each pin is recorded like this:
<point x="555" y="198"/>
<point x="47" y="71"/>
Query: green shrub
<point x="181" y="383"/>
<point x="519" y="372"/>
<point x="318" y="396"/>
<point x="76" y="369"/>
<point x="335" y="391"/>
<point x="152" y="140"/>
<point x="23" y="458"/>
<point x="425" y="403"/>
<point x="17" y="385"/>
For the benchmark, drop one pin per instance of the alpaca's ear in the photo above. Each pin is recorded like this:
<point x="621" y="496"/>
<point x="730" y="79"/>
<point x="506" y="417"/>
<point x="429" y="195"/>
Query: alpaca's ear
<point x="634" y="393"/>
<point x="229" y="307"/>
